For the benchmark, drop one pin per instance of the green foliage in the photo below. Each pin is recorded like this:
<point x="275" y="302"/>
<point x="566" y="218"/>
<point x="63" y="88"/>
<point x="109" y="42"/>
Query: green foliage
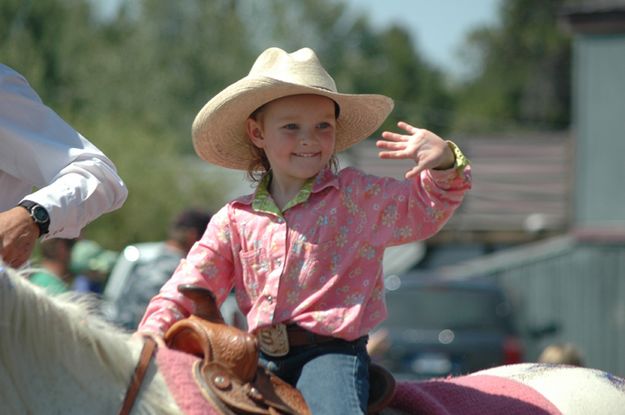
<point x="172" y="57"/>
<point x="46" y="52"/>
<point x="522" y="77"/>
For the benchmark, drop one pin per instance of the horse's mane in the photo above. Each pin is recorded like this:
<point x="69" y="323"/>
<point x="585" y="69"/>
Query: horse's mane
<point x="42" y="336"/>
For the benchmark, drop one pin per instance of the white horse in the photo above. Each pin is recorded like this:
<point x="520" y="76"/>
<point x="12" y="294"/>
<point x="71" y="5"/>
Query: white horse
<point x="58" y="357"/>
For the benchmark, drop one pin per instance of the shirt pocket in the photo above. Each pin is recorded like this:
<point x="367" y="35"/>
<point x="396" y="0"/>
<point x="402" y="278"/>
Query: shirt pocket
<point x="255" y="267"/>
<point x="311" y="266"/>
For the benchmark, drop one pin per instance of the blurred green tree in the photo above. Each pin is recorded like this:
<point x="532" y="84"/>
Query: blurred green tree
<point x="50" y="42"/>
<point x="522" y="68"/>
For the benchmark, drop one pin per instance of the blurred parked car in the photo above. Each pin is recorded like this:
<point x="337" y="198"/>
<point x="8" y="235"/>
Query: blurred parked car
<point x="440" y="327"/>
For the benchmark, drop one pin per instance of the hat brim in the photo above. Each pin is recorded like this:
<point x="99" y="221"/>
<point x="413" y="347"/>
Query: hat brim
<point x="219" y="129"/>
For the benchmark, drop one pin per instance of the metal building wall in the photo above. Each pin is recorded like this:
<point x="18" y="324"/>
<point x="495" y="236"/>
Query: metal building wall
<point x="578" y="286"/>
<point x="599" y="114"/>
<point x="582" y="292"/>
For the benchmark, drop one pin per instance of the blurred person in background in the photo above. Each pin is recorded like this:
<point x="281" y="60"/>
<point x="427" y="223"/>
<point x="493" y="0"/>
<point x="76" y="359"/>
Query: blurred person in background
<point x="378" y="343"/>
<point x="53" y="272"/>
<point x="143" y="268"/>
<point x="91" y="265"/>
<point x="76" y="182"/>
<point x="562" y="353"/>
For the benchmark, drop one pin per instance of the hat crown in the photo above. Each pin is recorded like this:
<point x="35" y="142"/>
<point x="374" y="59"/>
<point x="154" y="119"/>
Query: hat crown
<point x="219" y="129"/>
<point x="301" y="67"/>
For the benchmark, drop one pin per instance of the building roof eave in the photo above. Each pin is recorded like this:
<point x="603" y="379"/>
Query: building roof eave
<point x="595" y="19"/>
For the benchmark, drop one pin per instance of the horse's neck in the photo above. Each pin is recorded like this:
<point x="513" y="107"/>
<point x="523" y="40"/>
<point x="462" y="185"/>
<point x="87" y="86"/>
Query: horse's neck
<point x="55" y="358"/>
<point x="51" y="388"/>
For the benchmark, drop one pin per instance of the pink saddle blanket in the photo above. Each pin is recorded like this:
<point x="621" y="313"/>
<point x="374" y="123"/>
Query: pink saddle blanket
<point x="464" y="395"/>
<point x="471" y="395"/>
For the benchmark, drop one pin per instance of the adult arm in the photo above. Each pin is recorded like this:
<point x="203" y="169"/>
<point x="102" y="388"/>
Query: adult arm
<point x="76" y="182"/>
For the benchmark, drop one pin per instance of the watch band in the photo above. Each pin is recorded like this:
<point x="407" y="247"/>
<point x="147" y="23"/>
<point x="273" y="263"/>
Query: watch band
<point x="39" y="214"/>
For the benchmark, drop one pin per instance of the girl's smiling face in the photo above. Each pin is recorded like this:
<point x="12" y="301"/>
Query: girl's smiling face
<point x="297" y="134"/>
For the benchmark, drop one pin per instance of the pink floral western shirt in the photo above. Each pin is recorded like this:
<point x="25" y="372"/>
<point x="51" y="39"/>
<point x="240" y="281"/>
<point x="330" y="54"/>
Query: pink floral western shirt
<point x="318" y="263"/>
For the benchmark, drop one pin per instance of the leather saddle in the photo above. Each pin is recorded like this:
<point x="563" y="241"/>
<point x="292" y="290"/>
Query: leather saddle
<point x="229" y="374"/>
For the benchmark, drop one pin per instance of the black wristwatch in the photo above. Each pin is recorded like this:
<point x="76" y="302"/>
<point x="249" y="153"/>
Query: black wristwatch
<point x="39" y="215"/>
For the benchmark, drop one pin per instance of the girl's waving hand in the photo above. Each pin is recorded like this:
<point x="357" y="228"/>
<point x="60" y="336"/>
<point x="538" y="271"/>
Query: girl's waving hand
<point x="427" y="149"/>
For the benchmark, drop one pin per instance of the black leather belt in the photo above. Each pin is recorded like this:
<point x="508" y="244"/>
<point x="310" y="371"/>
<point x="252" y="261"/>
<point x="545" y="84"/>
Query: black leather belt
<point x="299" y="336"/>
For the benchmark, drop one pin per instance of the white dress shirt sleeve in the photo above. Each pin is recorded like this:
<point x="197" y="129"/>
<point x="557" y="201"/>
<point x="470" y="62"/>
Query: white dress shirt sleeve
<point x="76" y="182"/>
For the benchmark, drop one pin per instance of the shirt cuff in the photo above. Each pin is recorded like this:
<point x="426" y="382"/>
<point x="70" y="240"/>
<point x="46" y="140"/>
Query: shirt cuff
<point x="461" y="160"/>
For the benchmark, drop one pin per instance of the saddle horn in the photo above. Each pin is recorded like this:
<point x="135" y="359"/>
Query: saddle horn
<point x="204" y="302"/>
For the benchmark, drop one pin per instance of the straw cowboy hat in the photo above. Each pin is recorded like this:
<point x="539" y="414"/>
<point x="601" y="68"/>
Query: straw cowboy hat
<point x="219" y="134"/>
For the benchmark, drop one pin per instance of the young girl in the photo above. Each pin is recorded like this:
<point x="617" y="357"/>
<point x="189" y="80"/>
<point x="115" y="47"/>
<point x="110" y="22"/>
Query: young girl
<point x="304" y="252"/>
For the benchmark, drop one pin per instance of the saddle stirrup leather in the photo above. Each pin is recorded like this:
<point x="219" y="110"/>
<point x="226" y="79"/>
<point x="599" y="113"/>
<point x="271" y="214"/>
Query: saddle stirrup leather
<point x="381" y="388"/>
<point x="147" y="354"/>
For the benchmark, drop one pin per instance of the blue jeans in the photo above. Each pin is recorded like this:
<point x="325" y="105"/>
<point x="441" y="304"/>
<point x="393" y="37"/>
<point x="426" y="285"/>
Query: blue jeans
<point x="332" y="376"/>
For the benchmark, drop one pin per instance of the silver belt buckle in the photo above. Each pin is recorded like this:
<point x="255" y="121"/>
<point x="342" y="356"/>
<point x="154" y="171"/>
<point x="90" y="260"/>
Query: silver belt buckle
<point x="274" y="340"/>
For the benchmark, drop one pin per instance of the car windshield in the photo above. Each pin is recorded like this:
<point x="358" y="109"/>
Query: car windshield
<point x="442" y="307"/>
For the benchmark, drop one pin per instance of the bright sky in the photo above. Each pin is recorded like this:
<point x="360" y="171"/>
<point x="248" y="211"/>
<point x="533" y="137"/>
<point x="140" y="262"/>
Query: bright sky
<point x="438" y="26"/>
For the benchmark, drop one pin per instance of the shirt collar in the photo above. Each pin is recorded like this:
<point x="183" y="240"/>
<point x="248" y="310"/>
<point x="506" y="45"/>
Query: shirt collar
<point x="262" y="201"/>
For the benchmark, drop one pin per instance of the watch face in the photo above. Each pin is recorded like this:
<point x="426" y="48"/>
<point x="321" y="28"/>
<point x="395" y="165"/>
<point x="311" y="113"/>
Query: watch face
<point x="40" y="214"/>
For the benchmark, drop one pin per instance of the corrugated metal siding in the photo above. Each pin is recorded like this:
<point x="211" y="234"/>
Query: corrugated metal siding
<point x="600" y="126"/>
<point x="580" y="287"/>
